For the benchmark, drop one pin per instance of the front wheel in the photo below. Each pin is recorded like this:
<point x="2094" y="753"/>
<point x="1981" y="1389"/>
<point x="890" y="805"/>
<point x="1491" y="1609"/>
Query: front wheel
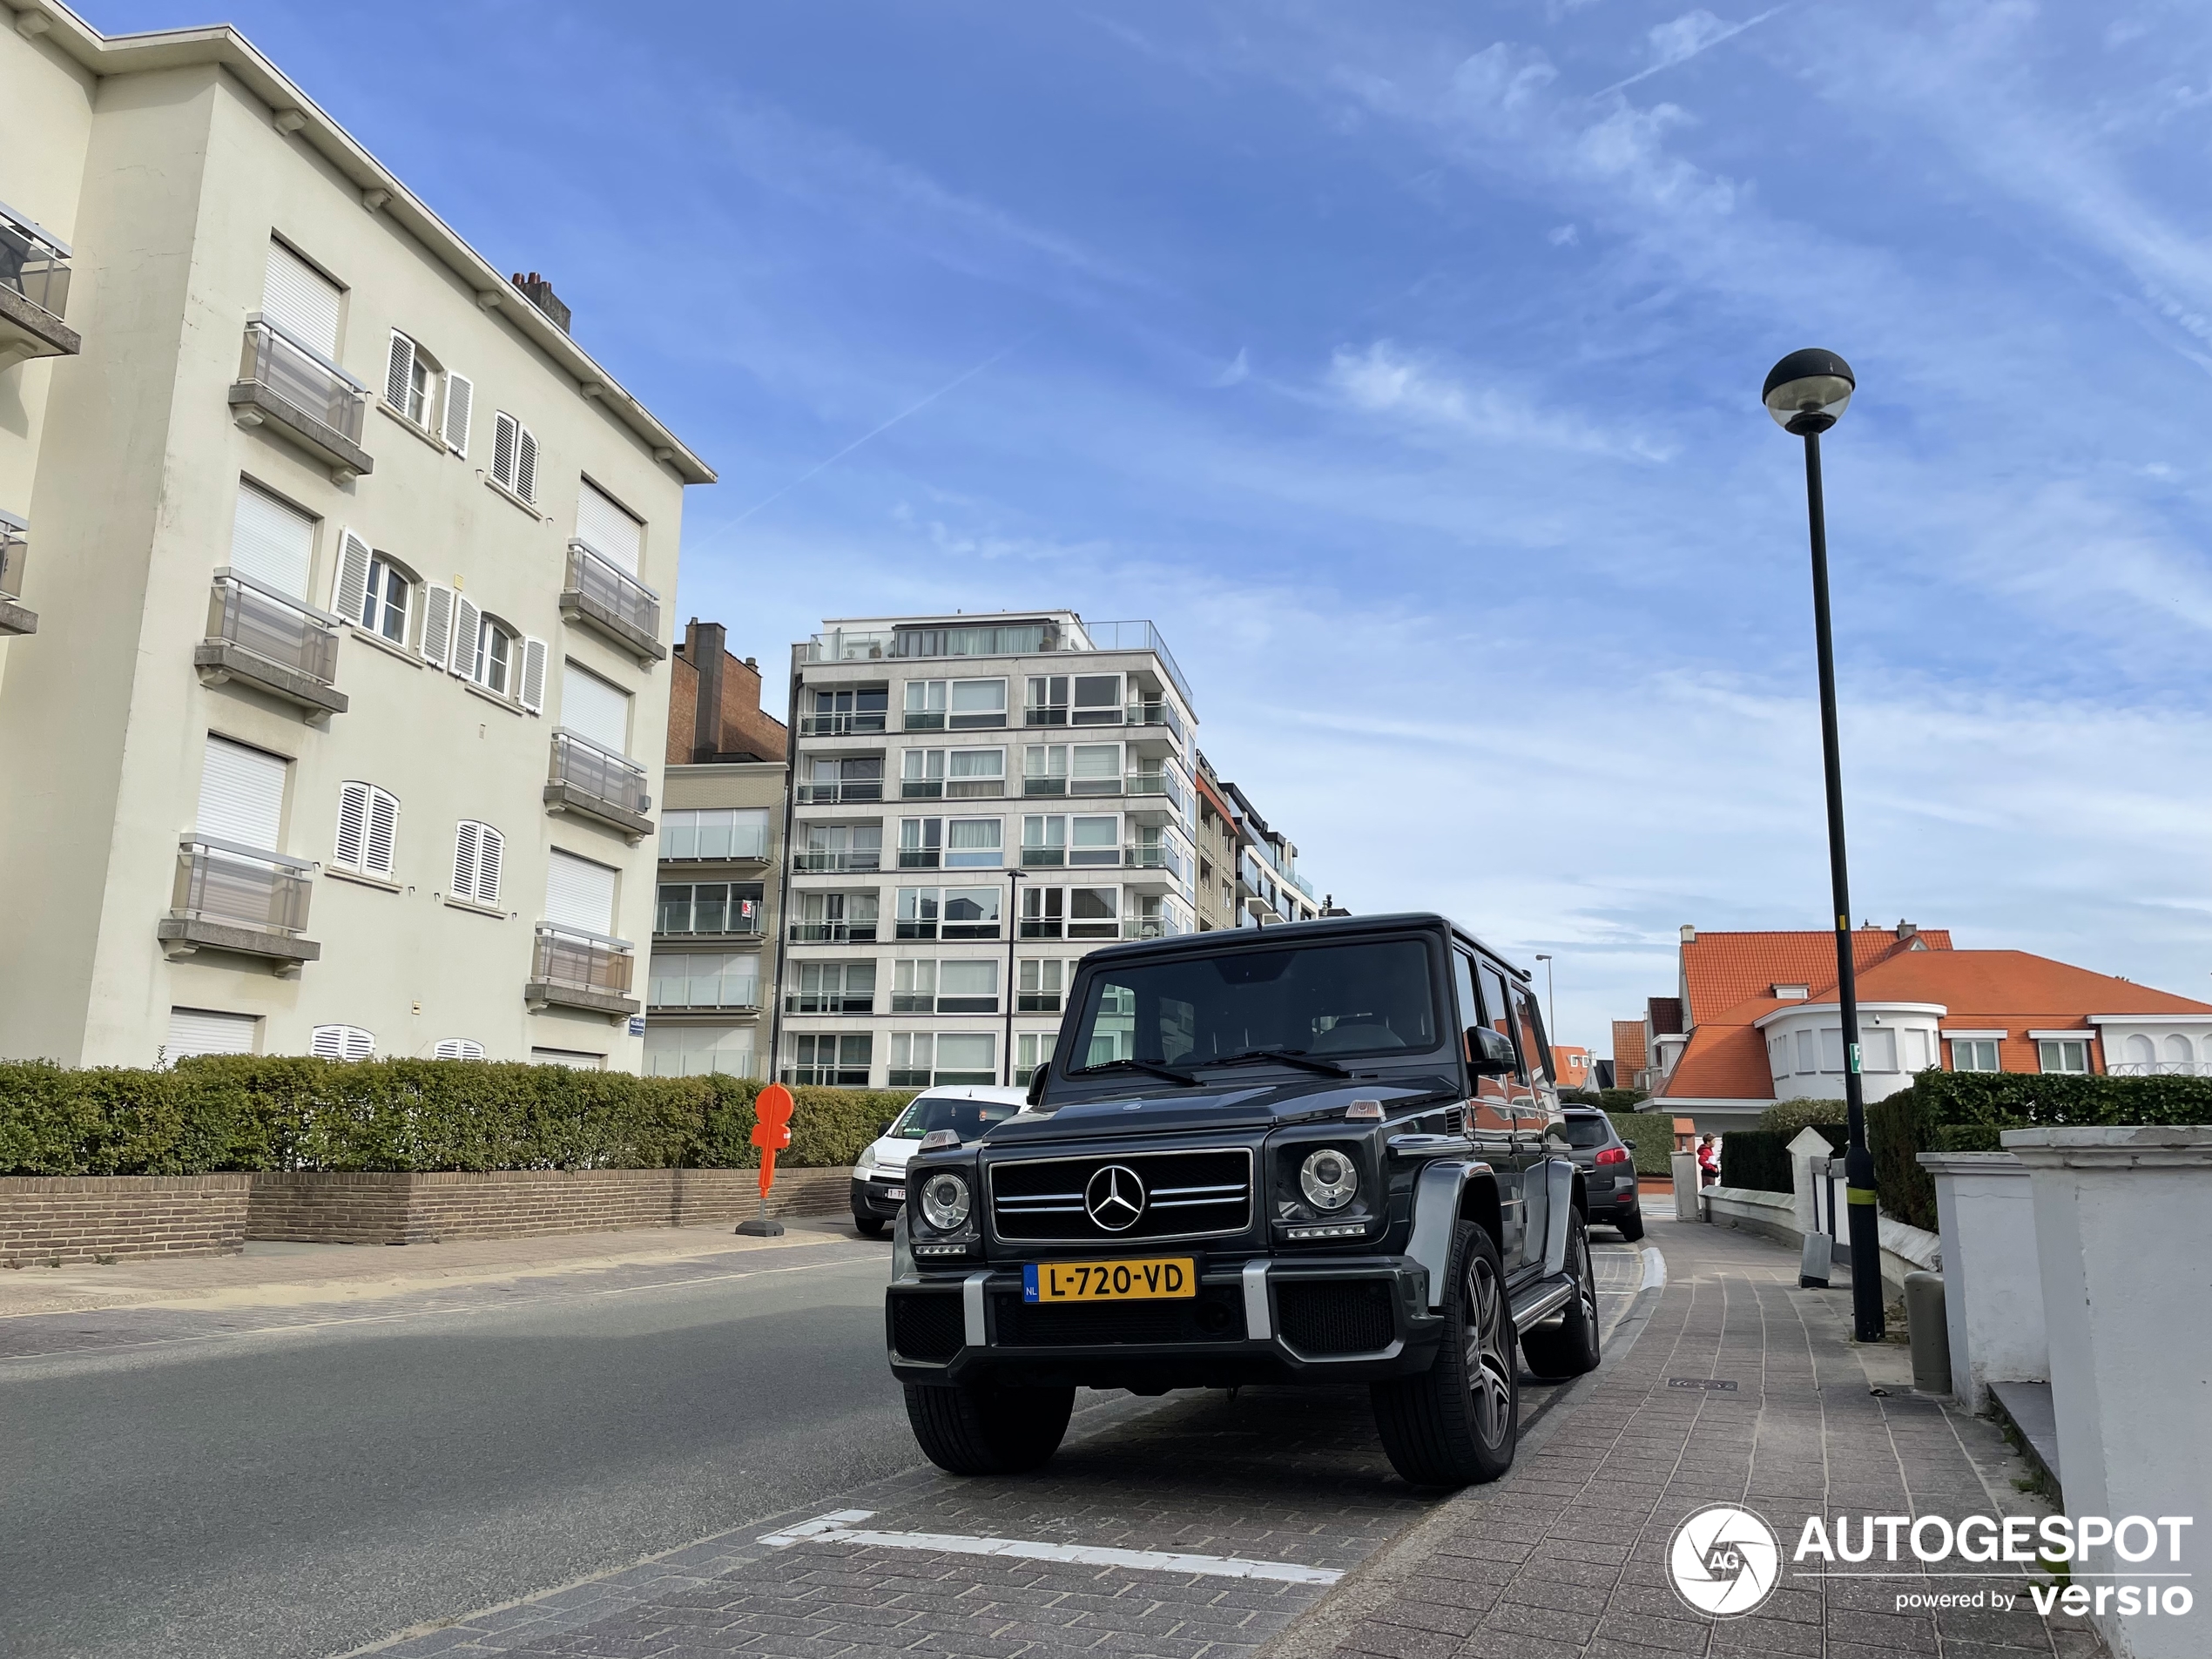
<point x="973" y="1428"/>
<point x="868" y="1226"/>
<point x="1457" y="1423"/>
<point x="1569" y="1347"/>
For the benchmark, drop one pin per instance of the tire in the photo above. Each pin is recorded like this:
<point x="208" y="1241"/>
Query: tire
<point x="1631" y="1226"/>
<point x="1457" y="1422"/>
<point x="1569" y="1347"/>
<point x="868" y="1226"/>
<point x="971" y="1428"/>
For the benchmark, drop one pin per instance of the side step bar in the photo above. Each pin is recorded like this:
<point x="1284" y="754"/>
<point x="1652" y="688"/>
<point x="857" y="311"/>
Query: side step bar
<point x="1547" y="1297"/>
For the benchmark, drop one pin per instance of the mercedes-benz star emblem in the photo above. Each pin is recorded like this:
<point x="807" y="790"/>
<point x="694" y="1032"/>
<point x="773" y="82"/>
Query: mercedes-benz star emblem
<point x="1115" y="1197"/>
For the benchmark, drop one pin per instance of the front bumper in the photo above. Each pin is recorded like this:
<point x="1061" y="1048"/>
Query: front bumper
<point x="873" y="1197"/>
<point x="1344" y="1319"/>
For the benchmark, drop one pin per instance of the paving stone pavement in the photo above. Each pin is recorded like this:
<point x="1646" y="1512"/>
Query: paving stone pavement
<point x="1279" y="1475"/>
<point x="1566" y="1557"/>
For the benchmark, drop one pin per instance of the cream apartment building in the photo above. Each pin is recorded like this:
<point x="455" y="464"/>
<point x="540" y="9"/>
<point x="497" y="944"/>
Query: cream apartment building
<point x="976" y="802"/>
<point x="342" y="726"/>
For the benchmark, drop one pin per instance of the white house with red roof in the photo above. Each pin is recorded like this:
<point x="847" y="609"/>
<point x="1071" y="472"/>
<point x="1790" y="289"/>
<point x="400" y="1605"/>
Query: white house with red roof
<point x="1759" y="1020"/>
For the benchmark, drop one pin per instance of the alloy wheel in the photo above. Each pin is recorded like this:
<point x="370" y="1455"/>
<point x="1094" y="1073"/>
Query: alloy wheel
<point x="1585" y="1279"/>
<point x="1489" y="1379"/>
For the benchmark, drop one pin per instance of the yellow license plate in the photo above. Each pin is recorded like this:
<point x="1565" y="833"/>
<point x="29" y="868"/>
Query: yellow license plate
<point x="1171" y="1278"/>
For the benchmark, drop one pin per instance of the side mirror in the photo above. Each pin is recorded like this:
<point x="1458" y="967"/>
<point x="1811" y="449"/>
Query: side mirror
<point x="1489" y="1053"/>
<point x="884" y="1128"/>
<point x="1036" y="1086"/>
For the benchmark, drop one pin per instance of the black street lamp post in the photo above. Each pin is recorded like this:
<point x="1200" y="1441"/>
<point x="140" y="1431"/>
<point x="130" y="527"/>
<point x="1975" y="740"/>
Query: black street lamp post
<point x="1806" y="393"/>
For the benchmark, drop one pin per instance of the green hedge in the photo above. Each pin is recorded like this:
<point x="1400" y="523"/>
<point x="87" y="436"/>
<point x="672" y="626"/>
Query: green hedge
<point x="1966" y="1111"/>
<point x="1759" y="1158"/>
<point x="1650" y="1135"/>
<point x="247" y="1112"/>
<point x="1792" y="1115"/>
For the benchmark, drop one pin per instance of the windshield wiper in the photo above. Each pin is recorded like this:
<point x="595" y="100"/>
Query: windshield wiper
<point x="1168" y="1072"/>
<point x="1284" y="1056"/>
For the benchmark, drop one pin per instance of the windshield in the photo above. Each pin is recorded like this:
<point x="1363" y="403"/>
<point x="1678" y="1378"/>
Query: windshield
<point x="1586" y="1132"/>
<point x="1333" y="1001"/>
<point x="966" y="1118"/>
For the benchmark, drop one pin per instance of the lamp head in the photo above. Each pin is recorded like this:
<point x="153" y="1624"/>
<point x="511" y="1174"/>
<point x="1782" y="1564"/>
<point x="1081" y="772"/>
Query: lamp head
<point x="1807" y="391"/>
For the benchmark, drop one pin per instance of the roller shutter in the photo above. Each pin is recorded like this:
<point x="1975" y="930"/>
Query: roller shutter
<point x="241" y="794"/>
<point x="300" y="300"/>
<point x="579" y="894"/>
<point x="206" y="1031"/>
<point x="271" y="543"/>
<point x="609" y="529"/>
<point x="592" y="708"/>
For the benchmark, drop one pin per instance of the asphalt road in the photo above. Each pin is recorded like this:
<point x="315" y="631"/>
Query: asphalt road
<point x="299" y="1482"/>
<point x="302" y="1492"/>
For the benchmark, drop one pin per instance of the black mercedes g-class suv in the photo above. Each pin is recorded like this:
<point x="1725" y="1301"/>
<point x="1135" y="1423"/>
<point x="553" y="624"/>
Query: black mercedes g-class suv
<point x="1321" y="1152"/>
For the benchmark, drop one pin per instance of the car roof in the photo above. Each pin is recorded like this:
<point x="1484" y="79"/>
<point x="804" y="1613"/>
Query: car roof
<point x="1305" y="933"/>
<point x="976" y="1091"/>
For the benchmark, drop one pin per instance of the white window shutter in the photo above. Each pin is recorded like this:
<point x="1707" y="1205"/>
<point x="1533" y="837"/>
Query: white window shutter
<point x="504" y="431"/>
<point x="352" y="583"/>
<point x="208" y="1031"/>
<point x="381" y="839"/>
<point x="437" y="625"/>
<point x="533" y="674"/>
<point x="461" y="391"/>
<point x="467" y="624"/>
<point x="526" y="465"/>
<point x="359" y="1044"/>
<point x="464" y="860"/>
<point x="328" y="1041"/>
<point x="353" y="825"/>
<point x="271" y="543"/>
<point x="458" y="1048"/>
<point x="399" y="371"/>
<point x="490" y="847"/>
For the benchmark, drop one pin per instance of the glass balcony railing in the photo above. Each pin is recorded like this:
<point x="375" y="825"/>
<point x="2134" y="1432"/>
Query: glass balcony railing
<point x="920" y="858"/>
<point x="583" y="961"/>
<point x="34" y="263"/>
<point x="836" y="861"/>
<point x="840" y="791"/>
<point x="302" y="377"/>
<point x="923" y="720"/>
<point x="988" y="639"/>
<point x="242" y="886"/>
<point x="860" y="931"/>
<point x="829" y="1002"/>
<point x="590" y="769"/>
<point x="840" y="722"/>
<point x="15" y="553"/>
<point x="611" y="592"/>
<point x="284" y="631"/>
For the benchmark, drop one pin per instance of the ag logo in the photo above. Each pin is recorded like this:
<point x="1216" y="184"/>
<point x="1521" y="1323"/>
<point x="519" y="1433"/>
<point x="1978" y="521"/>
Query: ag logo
<point x="1724" y="1561"/>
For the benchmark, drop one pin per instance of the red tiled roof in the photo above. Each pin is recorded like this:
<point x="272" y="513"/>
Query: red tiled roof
<point x="1720" y="970"/>
<point x="1726" y="1059"/>
<point x="1628" y="1050"/>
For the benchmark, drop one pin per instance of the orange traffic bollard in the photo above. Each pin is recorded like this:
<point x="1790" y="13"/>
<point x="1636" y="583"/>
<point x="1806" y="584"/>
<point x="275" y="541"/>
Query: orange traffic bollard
<point x="770" y="1133"/>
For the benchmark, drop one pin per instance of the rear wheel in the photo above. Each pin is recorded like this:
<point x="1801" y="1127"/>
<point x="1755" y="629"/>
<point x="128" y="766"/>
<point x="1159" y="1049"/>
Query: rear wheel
<point x="868" y="1226"/>
<point x="1631" y="1226"/>
<point x="1569" y="1346"/>
<point x="973" y="1428"/>
<point x="1458" y="1421"/>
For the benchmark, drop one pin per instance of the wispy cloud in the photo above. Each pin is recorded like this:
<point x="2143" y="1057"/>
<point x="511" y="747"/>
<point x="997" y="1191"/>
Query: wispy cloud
<point x="1385" y="380"/>
<point x="1685" y="37"/>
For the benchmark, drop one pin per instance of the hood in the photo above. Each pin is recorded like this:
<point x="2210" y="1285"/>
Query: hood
<point x="892" y="1153"/>
<point x="1308" y="1099"/>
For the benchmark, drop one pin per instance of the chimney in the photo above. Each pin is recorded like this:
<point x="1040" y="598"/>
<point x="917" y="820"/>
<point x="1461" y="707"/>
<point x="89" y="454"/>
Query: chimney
<point x="540" y="293"/>
<point x="704" y="650"/>
<point x="1906" y="929"/>
<point x="1688" y="935"/>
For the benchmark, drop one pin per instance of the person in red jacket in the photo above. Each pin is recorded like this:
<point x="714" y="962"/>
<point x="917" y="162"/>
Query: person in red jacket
<point x="1708" y="1163"/>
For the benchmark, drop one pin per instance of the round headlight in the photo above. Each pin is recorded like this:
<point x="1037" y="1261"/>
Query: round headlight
<point x="944" y="1201"/>
<point x="1329" y="1179"/>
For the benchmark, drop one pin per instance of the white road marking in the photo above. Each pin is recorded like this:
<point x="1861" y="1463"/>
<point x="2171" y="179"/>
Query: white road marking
<point x="832" y="1529"/>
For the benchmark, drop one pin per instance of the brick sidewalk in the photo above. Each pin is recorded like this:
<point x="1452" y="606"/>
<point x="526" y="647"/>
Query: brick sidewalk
<point x="273" y="1273"/>
<point x="1566" y="1557"/>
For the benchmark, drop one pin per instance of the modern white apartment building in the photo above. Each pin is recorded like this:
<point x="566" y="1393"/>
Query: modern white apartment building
<point x="976" y="801"/>
<point x="342" y="720"/>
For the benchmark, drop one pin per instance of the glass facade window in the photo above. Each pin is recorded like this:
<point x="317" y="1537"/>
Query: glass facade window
<point x="709" y="907"/>
<point x="923" y="1059"/>
<point x="714" y="832"/>
<point x="838" y="1059"/>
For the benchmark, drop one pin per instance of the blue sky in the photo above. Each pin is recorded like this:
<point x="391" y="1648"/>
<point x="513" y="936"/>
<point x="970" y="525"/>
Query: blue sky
<point x="1402" y="361"/>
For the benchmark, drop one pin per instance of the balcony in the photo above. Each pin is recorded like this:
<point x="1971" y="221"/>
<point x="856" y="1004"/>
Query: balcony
<point x="2161" y="1068"/>
<point x="858" y="931"/>
<point x="597" y="784"/>
<point x="843" y="723"/>
<point x="276" y="645"/>
<point x="836" y="861"/>
<point x="1157" y="855"/>
<point x="292" y="391"/>
<point x="1164" y="783"/>
<point x="829" y="1002"/>
<point x="34" y="293"/>
<point x="843" y="793"/>
<point x="571" y="968"/>
<point x="920" y="858"/>
<point x="15" y="550"/>
<point x="613" y="604"/>
<point x="1158" y="713"/>
<point x="923" y="720"/>
<point x="825" y="1076"/>
<point x="989" y="639"/>
<point x="242" y="900"/>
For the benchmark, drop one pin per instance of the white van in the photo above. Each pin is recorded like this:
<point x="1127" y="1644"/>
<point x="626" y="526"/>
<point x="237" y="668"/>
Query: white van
<point x="880" y="1178"/>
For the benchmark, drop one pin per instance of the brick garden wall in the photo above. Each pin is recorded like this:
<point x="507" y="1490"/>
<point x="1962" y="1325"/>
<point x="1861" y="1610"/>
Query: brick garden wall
<point x="79" y="1219"/>
<point x="422" y="1209"/>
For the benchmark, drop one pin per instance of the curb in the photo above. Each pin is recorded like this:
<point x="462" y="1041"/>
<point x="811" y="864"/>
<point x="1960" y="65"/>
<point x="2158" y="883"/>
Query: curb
<point x="1319" y="1631"/>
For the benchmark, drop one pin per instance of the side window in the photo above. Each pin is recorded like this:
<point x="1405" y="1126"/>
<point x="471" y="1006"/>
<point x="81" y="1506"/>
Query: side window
<point x="1535" y="1058"/>
<point x="1463" y="983"/>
